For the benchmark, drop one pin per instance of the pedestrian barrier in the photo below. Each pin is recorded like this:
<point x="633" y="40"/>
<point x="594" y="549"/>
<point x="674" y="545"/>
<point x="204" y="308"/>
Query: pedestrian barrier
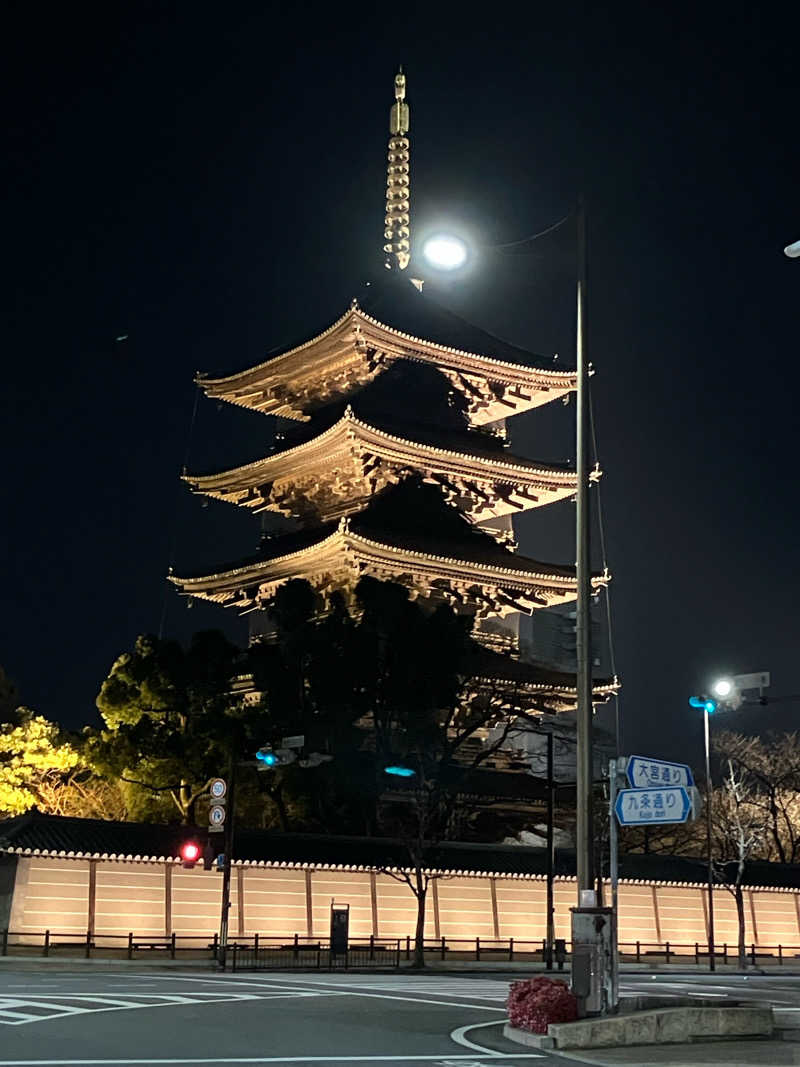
<point x="272" y="952"/>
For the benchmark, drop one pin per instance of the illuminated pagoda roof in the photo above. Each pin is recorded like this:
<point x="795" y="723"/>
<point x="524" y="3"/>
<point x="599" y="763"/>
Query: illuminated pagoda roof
<point x="473" y="574"/>
<point x="339" y="470"/>
<point x="394" y="321"/>
<point x="393" y="463"/>
<point x="532" y="685"/>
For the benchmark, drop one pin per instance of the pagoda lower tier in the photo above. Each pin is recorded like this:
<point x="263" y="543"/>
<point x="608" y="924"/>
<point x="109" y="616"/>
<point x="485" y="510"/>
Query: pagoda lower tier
<point x="474" y="575"/>
<point x="392" y="320"/>
<point x="340" y="470"/>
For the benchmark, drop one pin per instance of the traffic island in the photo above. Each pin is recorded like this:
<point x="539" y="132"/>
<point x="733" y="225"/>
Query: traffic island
<point x="659" y="1026"/>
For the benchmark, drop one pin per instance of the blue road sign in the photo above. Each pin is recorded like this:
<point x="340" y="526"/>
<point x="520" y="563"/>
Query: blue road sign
<point x="644" y="807"/>
<point x="645" y="773"/>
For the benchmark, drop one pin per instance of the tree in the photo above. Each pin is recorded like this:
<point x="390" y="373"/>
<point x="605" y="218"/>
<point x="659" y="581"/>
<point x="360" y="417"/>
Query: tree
<point x="413" y="668"/>
<point x="378" y="681"/>
<point x="35" y="761"/>
<point x="171" y="719"/>
<point x="772" y="766"/>
<point x="739" y="827"/>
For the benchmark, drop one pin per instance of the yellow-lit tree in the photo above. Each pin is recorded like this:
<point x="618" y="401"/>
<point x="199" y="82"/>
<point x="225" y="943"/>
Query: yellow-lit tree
<point x="34" y="761"/>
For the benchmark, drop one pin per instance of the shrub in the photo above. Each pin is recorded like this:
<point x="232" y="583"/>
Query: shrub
<point x="534" y="1003"/>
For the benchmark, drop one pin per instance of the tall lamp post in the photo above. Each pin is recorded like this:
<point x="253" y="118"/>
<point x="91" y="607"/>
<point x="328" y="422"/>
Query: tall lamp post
<point x="447" y="252"/>
<point x="708" y="706"/>
<point x="727" y="691"/>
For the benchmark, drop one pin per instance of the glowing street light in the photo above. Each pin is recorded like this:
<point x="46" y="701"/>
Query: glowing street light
<point x="723" y="687"/>
<point x="793" y="250"/>
<point x="444" y="251"/>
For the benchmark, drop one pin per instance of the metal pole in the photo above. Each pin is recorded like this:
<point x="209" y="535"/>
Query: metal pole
<point x="613" y="832"/>
<point x="613" y="871"/>
<point x="712" y="962"/>
<point x="584" y="832"/>
<point x="550" y="856"/>
<point x="226" y="870"/>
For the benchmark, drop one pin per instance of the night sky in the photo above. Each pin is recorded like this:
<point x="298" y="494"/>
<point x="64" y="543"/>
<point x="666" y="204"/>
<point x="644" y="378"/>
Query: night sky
<point x="209" y="181"/>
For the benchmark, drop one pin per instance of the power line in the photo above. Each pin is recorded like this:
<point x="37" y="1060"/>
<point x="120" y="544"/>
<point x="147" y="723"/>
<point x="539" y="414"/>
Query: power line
<point x="173" y="533"/>
<point x="609" y="625"/>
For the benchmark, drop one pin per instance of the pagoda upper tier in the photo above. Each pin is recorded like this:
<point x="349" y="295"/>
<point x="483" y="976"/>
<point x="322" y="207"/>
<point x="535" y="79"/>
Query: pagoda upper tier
<point x="394" y="320"/>
<point x="340" y="469"/>
<point x="409" y="536"/>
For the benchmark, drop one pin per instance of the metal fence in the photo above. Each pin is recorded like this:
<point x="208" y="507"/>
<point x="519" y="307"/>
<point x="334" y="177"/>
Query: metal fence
<point x="295" y="952"/>
<point x="305" y="953"/>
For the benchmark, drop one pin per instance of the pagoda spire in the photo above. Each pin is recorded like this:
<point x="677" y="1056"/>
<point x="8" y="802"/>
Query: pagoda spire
<point x="397" y="232"/>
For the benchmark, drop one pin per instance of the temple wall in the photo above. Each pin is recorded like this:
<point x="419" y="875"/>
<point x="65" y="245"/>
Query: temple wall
<point x="154" y="898"/>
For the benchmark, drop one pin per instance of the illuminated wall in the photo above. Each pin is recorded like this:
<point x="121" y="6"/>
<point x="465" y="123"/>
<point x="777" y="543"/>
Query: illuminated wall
<point x="154" y="897"/>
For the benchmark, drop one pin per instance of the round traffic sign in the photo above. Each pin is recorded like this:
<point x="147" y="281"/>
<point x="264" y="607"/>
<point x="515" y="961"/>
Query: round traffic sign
<point x="216" y="815"/>
<point x="218" y="788"/>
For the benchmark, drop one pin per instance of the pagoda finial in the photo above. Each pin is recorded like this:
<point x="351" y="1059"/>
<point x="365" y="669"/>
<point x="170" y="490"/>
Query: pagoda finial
<point x="397" y="232"/>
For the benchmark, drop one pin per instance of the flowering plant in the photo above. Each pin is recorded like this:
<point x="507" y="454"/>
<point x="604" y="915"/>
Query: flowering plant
<point x="534" y="1003"/>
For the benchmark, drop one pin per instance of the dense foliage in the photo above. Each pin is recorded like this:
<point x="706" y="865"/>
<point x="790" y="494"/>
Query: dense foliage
<point x="534" y="1003"/>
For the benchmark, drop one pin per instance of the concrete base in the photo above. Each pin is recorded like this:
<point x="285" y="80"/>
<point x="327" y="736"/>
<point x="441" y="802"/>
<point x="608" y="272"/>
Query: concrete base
<point x="659" y="1027"/>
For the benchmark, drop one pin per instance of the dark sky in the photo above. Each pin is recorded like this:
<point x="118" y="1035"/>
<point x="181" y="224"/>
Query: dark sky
<point x="208" y="179"/>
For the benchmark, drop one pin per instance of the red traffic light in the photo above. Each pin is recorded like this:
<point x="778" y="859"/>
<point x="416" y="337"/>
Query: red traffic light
<point x="190" y="853"/>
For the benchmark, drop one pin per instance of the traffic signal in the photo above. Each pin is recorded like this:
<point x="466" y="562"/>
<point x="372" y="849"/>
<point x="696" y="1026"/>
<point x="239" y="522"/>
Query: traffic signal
<point x="190" y="854"/>
<point x="400" y="771"/>
<point x="707" y="704"/>
<point x="267" y="757"/>
<point x="209" y="855"/>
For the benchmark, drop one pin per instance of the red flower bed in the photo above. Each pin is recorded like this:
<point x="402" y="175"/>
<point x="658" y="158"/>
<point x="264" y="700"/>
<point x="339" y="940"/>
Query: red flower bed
<point x="534" y="1003"/>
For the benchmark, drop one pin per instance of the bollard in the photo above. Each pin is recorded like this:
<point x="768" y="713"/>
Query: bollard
<point x="46" y="949"/>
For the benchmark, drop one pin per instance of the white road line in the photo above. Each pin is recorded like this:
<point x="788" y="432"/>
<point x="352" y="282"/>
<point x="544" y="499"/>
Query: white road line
<point x="18" y="1018"/>
<point x="334" y="987"/>
<point x="439" y="1057"/>
<point x="460" y="1039"/>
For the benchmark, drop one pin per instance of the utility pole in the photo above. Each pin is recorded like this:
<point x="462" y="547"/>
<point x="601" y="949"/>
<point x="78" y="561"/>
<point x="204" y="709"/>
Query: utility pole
<point x="222" y="954"/>
<point x="584" y="833"/>
<point x="613" y="866"/>
<point x="712" y="959"/>
<point x="551" y="789"/>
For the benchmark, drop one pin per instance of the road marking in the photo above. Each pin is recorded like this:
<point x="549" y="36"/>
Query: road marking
<point x="312" y="986"/>
<point x="12" y="1011"/>
<point x="460" y="1039"/>
<point x="342" y="988"/>
<point x="437" y="1058"/>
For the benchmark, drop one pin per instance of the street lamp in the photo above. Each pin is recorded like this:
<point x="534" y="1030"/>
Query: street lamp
<point x="793" y="250"/>
<point x="722" y="688"/>
<point x="445" y="251"/>
<point x="709" y="706"/>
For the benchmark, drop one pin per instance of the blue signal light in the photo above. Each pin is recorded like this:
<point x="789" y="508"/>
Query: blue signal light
<point x="400" y="772"/>
<point x="704" y="703"/>
<point x="267" y="757"/>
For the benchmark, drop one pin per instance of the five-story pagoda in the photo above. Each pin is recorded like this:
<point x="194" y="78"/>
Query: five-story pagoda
<point x="394" y="461"/>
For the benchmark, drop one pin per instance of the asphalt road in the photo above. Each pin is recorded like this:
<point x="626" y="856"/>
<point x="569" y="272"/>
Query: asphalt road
<point x="55" y="1019"/>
